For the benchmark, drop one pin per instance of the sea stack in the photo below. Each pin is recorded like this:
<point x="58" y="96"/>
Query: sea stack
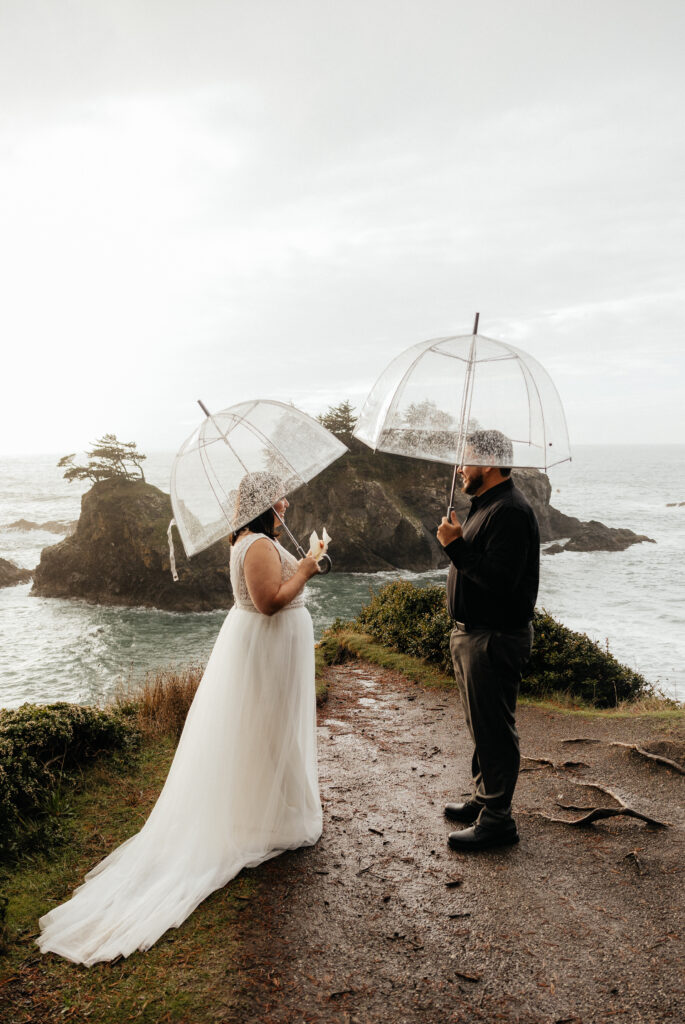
<point x="119" y="555"/>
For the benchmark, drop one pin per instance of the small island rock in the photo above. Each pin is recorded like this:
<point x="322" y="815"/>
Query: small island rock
<point x="11" y="574"/>
<point x="119" y="555"/>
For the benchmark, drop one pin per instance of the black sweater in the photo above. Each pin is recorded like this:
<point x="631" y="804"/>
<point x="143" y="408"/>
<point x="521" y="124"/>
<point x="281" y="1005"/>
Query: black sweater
<point x="493" y="580"/>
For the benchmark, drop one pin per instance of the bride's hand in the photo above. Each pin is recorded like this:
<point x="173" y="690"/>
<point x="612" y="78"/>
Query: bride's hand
<point x="308" y="566"/>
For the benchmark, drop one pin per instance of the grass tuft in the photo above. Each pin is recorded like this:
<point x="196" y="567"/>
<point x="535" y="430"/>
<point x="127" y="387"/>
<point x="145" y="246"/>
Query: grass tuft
<point x="160" y="704"/>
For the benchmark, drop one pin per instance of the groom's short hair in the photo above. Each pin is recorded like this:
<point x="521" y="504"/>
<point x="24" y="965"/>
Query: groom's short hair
<point x="492" y="445"/>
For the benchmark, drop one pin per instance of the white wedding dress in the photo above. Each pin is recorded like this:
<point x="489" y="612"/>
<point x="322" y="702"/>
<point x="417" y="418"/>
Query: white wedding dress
<point x="243" y="786"/>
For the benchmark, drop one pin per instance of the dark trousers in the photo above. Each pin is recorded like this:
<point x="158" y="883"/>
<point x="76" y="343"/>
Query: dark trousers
<point x="488" y="666"/>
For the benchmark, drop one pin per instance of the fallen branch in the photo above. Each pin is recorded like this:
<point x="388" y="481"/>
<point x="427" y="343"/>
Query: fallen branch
<point x="595" y="813"/>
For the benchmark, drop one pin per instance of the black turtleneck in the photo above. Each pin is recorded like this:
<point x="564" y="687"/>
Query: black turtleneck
<point x="493" y="579"/>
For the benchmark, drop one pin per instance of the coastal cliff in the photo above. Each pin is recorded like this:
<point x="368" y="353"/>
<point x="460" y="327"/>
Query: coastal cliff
<point x="119" y="555"/>
<point x="381" y="510"/>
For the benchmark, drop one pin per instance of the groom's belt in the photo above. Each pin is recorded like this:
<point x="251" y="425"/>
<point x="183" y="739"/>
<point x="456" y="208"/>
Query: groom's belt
<point x="472" y="627"/>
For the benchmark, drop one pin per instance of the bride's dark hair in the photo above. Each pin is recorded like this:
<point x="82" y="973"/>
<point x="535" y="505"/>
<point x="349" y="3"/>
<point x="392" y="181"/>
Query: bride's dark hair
<point x="251" y="490"/>
<point x="264" y="523"/>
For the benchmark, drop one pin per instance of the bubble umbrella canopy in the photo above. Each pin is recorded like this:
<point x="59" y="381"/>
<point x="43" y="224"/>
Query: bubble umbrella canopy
<point x="435" y="394"/>
<point x="238" y="462"/>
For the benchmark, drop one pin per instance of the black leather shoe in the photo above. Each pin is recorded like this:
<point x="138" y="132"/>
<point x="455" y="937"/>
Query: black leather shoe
<point x="467" y="812"/>
<point x="479" y="838"/>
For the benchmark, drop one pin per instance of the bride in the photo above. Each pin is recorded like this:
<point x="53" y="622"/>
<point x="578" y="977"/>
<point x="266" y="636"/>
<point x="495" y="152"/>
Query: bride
<point x="243" y="785"/>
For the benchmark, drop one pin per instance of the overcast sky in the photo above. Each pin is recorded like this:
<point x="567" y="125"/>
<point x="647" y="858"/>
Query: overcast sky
<point x="272" y="198"/>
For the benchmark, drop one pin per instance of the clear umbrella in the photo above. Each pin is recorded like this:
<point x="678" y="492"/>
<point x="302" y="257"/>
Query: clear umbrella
<point x="239" y="462"/>
<point x="435" y="395"/>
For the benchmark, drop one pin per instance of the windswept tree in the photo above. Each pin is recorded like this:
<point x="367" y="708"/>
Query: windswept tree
<point x="107" y="458"/>
<point x="340" y="420"/>
<point x="426" y="415"/>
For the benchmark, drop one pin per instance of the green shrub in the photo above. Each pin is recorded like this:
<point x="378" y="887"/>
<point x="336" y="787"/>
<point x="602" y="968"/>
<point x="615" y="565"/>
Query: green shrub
<point x="414" y="620"/>
<point x="572" y="662"/>
<point x="4" y="931"/>
<point x="41" y="746"/>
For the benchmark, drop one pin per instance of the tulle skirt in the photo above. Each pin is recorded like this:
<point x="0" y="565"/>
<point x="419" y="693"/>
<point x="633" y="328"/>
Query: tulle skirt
<point x="243" y="787"/>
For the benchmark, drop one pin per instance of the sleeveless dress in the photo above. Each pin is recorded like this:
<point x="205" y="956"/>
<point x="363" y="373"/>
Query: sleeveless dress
<point x="243" y="786"/>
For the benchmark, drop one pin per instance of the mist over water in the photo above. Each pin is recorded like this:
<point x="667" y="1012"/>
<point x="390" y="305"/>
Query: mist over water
<point x="68" y="650"/>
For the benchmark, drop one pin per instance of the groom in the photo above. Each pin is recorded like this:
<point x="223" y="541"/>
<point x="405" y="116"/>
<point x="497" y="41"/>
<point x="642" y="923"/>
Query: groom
<point x="492" y="585"/>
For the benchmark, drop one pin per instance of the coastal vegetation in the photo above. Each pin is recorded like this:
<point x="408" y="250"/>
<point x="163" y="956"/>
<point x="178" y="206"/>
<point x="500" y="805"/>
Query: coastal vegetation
<point x="108" y="457"/>
<point x="414" y="621"/>
<point x="44" y="751"/>
<point x="340" y="420"/>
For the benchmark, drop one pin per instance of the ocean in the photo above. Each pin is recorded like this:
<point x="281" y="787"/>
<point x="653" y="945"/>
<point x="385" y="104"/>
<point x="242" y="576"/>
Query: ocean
<point x="631" y="601"/>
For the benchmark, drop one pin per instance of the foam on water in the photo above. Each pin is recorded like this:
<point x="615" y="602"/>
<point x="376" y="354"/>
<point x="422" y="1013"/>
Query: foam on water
<point x="69" y="650"/>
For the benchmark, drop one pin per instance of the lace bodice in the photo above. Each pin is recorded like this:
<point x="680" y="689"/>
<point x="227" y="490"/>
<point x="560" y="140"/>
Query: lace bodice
<point x="241" y="594"/>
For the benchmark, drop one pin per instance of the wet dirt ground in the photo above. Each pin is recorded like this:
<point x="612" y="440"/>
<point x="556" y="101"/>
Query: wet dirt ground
<point x="382" y="922"/>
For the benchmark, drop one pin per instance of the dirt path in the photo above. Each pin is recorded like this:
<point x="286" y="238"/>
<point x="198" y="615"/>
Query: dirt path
<point x="381" y="922"/>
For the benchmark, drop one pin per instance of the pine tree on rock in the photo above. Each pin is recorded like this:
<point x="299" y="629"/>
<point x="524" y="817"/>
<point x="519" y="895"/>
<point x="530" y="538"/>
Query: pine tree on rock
<point x="107" y="458"/>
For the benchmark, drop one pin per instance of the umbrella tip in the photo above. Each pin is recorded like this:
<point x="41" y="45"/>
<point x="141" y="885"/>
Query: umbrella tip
<point x="475" y="323"/>
<point x="203" y="407"/>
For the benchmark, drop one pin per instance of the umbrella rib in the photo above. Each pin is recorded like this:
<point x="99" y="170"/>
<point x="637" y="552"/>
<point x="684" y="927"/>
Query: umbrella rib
<point x="544" y="423"/>
<point x="530" y="411"/>
<point x="465" y="406"/>
<point x="486" y="359"/>
<point x="207" y="468"/>
<point x="206" y="464"/>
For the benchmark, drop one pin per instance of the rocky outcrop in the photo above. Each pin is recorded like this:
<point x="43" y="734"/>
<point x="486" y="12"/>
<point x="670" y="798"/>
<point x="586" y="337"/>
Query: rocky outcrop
<point x="380" y="510"/>
<point x="119" y="555"/>
<point x="594" y="536"/>
<point x="51" y="526"/>
<point x="11" y="574"/>
<point x="383" y="510"/>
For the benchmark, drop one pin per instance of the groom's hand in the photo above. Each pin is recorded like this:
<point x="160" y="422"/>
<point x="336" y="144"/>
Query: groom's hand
<point x="449" y="529"/>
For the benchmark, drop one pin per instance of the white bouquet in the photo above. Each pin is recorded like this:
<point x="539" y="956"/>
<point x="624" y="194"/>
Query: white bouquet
<point x="318" y="547"/>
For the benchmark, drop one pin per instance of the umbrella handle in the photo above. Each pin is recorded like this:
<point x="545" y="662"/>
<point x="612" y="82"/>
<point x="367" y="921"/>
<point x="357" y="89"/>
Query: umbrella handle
<point x="325" y="565"/>
<point x="300" y="550"/>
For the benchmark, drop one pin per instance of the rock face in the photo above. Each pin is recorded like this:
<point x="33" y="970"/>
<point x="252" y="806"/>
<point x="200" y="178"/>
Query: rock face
<point x="594" y="536"/>
<point x="11" y="574"/>
<point x="119" y="555"/>
<point x="382" y="512"/>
